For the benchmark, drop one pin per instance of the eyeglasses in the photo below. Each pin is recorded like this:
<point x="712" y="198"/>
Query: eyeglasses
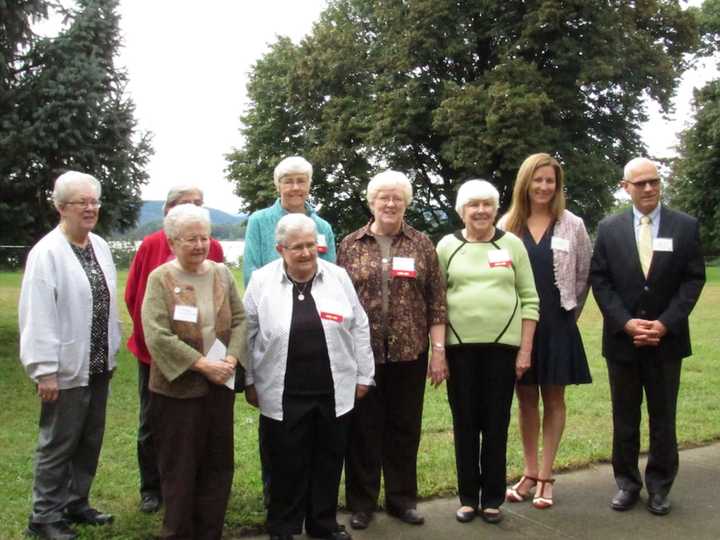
<point x="300" y="182"/>
<point x="387" y="199"/>
<point x="642" y="184"/>
<point x="299" y="248"/>
<point x="92" y="203"/>
<point x="195" y="240"/>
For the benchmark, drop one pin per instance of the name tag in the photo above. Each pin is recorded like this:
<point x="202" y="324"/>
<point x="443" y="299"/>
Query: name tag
<point x="561" y="244"/>
<point x="322" y="246"/>
<point x="499" y="257"/>
<point x="186" y="314"/>
<point x="328" y="316"/>
<point x="403" y="267"/>
<point x="663" y="244"/>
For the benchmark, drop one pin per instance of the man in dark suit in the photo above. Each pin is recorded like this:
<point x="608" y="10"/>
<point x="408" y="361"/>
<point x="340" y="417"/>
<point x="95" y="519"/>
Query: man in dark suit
<point x="647" y="272"/>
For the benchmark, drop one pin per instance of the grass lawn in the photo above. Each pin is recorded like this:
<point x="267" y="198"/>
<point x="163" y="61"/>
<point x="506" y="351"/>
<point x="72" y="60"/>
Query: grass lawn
<point x="587" y="436"/>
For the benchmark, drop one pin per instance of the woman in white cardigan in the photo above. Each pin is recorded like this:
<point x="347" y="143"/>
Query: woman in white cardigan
<point x="559" y="249"/>
<point x="69" y="336"/>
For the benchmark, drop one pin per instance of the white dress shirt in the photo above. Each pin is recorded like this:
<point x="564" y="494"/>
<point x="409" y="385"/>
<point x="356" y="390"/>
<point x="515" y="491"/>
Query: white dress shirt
<point x="268" y="306"/>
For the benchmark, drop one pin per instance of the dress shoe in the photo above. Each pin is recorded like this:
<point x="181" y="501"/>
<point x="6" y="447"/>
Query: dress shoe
<point x="409" y="515"/>
<point x="150" y="503"/>
<point x="89" y="516"/>
<point x="491" y="515"/>
<point x="658" y="504"/>
<point x="59" y="530"/>
<point x="360" y="520"/>
<point x="338" y="534"/>
<point x="465" y="514"/>
<point x="281" y="537"/>
<point x="624" y="500"/>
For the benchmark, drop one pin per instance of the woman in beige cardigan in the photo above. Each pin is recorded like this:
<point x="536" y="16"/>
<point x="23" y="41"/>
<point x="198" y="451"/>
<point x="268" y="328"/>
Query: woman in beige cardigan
<point x="194" y="326"/>
<point x="559" y="250"/>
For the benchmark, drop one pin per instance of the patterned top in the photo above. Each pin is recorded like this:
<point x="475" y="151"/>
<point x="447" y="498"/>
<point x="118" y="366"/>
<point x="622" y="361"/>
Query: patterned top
<point x="100" y="308"/>
<point x="416" y="303"/>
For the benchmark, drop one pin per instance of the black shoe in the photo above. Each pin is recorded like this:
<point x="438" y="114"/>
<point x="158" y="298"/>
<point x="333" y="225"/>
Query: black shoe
<point x="490" y="516"/>
<point x="624" y="500"/>
<point x="361" y="520"/>
<point x="465" y="516"/>
<point x="59" y="530"/>
<point x="89" y="516"/>
<point x="281" y="537"/>
<point x="409" y="515"/>
<point x="150" y="503"/>
<point x="339" y="534"/>
<point x="658" y="504"/>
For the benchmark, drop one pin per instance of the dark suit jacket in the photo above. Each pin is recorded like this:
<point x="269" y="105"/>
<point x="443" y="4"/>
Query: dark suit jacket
<point x="668" y="294"/>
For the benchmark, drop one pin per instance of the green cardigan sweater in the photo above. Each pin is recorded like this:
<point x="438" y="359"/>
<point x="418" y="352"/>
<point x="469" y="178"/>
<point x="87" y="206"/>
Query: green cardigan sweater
<point x="487" y="298"/>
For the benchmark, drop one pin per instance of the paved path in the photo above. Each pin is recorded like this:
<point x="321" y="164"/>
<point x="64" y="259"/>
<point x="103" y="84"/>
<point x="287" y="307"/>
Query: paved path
<point x="581" y="510"/>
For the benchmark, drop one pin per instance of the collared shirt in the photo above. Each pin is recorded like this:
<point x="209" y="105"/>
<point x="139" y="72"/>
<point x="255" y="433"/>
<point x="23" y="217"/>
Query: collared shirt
<point x="415" y="303"/>
<point x="269" y="304"/>
<point x="654" y="221"/>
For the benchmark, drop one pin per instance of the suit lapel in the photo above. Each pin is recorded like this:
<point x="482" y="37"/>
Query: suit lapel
<point x="629" y="244"/>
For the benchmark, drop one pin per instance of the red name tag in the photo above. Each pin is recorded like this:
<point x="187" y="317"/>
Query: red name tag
<point x="331" y="316"/>
<point x="403" y="273"/>
<point x="322" y="249"/>
<point x="506" y="264"/>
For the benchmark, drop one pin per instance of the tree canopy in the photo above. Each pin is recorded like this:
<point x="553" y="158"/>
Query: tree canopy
<point x="447" y="90"/>
<point x="63" y="106"/>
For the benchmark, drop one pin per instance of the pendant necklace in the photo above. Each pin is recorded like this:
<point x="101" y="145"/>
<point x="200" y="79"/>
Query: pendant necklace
<point x="301" y="292"/>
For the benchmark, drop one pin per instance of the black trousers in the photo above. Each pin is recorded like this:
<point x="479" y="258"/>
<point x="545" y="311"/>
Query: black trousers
<point x="480" y="392"/>
<point x="660" y="379"/>
<point x="306" y="453"/>
<point x="385" y="434"/>
<point x="194" y="443"/>
<point x="147" y="459"/>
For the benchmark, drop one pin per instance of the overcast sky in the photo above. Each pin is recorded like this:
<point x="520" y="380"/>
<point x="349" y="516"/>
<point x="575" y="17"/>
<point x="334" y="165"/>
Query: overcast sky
<point x="188" y="64"/>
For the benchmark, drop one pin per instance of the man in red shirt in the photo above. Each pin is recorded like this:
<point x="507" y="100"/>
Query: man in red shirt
<point x="153" y="251"/>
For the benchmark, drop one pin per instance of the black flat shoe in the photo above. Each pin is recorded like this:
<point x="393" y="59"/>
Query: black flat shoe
<point x="360" y="520"/>
<point x="339" y="534"/>
<point x="150" y="503"/>
<point x="491" y="517"/>
<point x="281" y="537"/>
<point x="89" y="517"/>
<point x="59" y="530"/>
<point x="465" y="516"/>
<point x="624" y="500"/>
<point x="658" y="504"/>
<point x="409" y="516"/>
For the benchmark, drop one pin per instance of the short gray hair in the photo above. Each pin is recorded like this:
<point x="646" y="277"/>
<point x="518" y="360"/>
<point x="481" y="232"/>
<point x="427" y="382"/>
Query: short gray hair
<point x="389" y="180"/>
<point x="180" y="216"/>
<point x="67" y="183"/>
<point x="476" y="190"/>
<point x="291" y="224"/>
<point x="635" y="163"/>
<point x="292" y="165"/>
<point x="177" y="192"/>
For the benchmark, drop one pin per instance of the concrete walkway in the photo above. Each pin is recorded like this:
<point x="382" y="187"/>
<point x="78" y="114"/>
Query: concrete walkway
<point x="581" y="510"/>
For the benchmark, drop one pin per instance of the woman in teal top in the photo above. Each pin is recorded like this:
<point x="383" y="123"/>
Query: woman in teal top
<point x="492" y="313"/>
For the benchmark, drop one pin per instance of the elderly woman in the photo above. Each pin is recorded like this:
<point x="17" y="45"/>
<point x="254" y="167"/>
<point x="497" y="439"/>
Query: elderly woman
<point x="492" y="313"/>
<point x="310" y="359"/>
<point x="153" y="251"/>
<point x="559" y="250"/>
<point x="194" y="326"/>
<point x="69" y="336"/>
<point x="396" y="273"/>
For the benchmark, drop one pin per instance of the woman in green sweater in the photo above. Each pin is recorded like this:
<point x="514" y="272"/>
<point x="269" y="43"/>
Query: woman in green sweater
<point x="492" y="313"/>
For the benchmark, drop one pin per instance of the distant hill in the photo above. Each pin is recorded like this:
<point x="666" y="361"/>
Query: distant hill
<point x="152" y="211"/>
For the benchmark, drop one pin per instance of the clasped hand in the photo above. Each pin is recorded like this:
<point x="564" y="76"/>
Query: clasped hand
<point x="645" y="333"/>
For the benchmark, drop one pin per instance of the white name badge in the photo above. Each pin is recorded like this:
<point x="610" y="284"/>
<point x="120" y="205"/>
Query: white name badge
<point x="322" y="246"/>
<point x="186" y="314"/>
<point x="663" y="244"/>
<point x="499" y="257"/>
<point x="561" y="244"/>
<point x="330" y="310"/>
<point x="403" y="267"/>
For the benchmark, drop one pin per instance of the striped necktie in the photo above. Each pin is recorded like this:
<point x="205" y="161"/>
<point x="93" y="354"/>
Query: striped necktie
<point x="645" y="243"/>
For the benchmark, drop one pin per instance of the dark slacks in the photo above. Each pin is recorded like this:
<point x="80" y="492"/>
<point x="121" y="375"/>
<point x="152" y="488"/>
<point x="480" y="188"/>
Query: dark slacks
<point x="147" y="459"/>
<point x="68" y="450"/>
<point x="306" y="453"/>
<point x="194" y="444"/>
<point x="660" y="379"/>
<point x="480" y="392"/>
<point x="385" y="435"/>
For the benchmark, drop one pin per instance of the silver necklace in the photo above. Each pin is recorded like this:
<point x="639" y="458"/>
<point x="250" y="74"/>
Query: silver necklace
<point x="301" y="293"/>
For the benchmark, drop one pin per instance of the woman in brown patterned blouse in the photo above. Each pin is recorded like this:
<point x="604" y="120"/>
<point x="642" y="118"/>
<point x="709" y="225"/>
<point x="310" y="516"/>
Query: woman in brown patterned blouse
<point x="396" y="274"/>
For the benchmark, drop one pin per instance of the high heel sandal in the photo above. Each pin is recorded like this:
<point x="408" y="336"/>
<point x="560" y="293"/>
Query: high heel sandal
<point x="513" y="495"/>
<point x="540" y="501"/>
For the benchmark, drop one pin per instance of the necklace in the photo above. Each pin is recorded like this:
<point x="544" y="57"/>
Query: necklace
<point x="301" y="292"/>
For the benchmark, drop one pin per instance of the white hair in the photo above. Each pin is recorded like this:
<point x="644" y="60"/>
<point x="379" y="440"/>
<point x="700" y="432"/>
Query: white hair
<point x="476" y="190"/>
<point x="181" y="215"/>
<point x="389" y="180"/>
<point x="293" y="224"/>
<point x="177" y="192"/>
<point x="292" y="165"/>
<point x="67" y="183"/>
<point x="634" y="164"/>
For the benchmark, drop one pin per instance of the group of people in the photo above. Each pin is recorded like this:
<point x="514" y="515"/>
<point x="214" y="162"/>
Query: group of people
<point x="336" y="356"/>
